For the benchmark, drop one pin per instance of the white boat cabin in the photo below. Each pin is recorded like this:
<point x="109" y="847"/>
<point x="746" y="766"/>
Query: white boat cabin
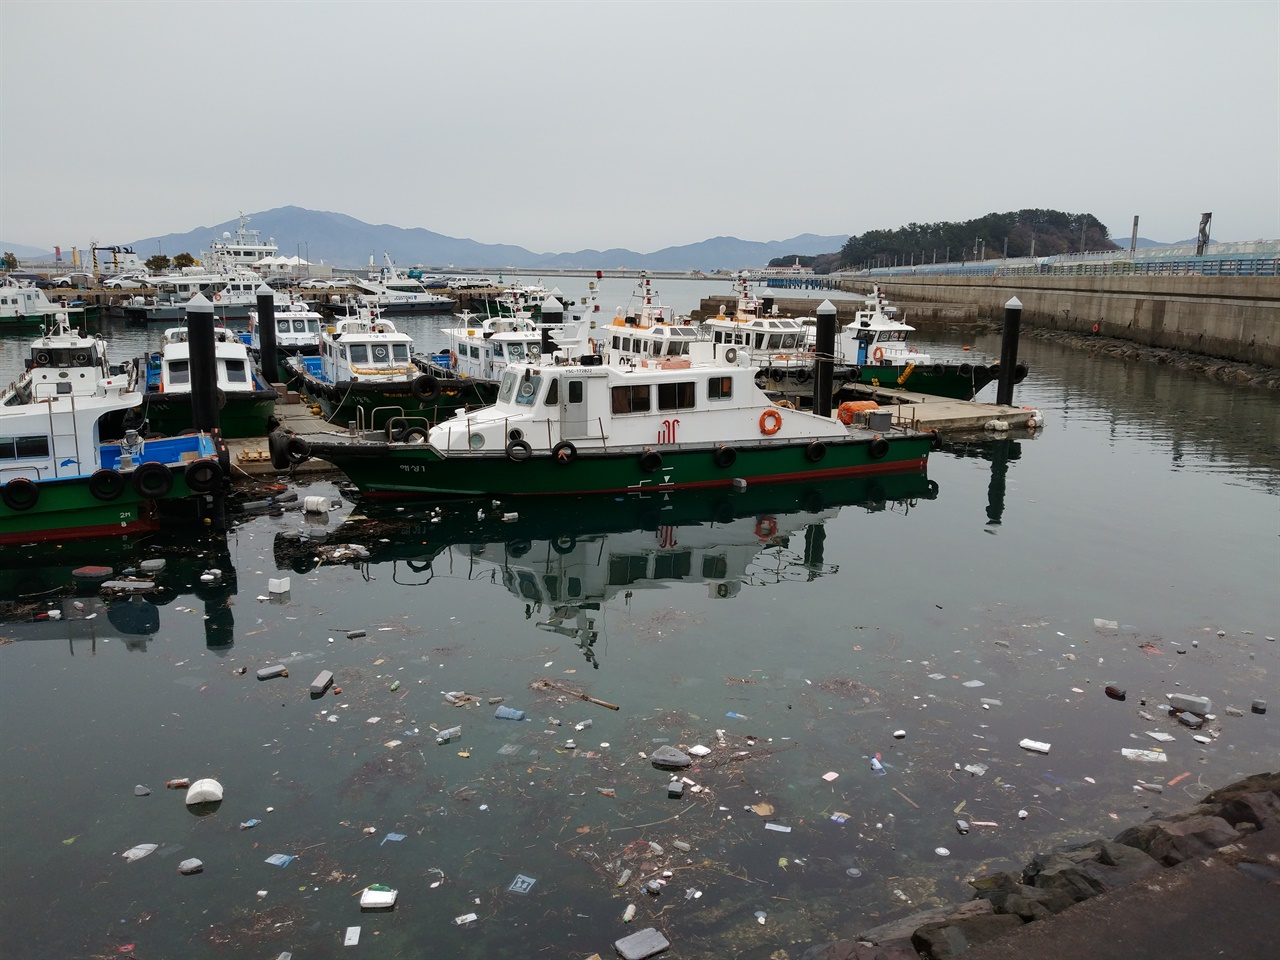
<point x="486" y="347"/>
<point x="298" y="329"/>
<point x="877" y="336"/>
<point x="59" y="437"/>
<point x="699" y="399"/>
<point x="364" y="348"/>
<point x="61" y="363"/>
<point x="171" y="371"/>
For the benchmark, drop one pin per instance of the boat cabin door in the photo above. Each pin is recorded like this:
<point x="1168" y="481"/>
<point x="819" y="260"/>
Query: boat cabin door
<point x="573" y="407"/>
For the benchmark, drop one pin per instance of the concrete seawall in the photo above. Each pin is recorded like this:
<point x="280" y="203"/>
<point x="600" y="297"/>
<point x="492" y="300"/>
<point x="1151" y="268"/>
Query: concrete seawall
<point x="1236" y="318"/>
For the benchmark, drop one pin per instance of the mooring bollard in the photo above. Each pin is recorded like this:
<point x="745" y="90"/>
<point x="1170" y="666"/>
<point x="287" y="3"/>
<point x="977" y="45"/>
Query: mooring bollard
<point x="204" y="368"/>
<point x="1009" y="351"/>
<point x="267" y="332"/>
<point x="824" y="358"/>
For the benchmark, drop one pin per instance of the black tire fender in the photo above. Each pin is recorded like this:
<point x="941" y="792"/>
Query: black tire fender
<point x="106" y="485"/>
<point x="425" y="388"/>
<point x="204" y="475"/>
<point x="815" y="451"/>
<point x="518" y="451"/>
<point x="415" y="435"/>
<point x="20" y="494"/>
<point x="298" y="450"/>
<point x="564" y="452"/>
<point x="152" y="480"/>
<point x="651" y="461"/>
<point x="878" y="448"/>
<point x="725" y="456"/>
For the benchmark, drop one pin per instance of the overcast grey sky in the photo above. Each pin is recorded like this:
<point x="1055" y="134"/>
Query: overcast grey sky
<point x="561" y="126"/>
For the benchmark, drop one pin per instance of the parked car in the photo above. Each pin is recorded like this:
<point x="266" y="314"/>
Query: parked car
<point x="125" y="281"/>
<point x="35" y="279"/>
<point x="316" y="283"/>
<point x="73" y="280"/>
<point x="280" y="283"/>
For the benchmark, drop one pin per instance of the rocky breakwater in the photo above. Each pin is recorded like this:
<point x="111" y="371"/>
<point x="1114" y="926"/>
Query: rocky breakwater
<point x="1217" y="828"/>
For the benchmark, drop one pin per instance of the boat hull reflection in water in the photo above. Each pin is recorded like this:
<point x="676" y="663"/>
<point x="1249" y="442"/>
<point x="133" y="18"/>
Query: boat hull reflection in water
<point x="566" y="556"/>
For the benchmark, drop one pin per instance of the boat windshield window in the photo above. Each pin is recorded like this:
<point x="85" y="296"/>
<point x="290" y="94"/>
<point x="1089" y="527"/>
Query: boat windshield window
<point x="359" y="353"/>
<point x="675" y="349"/>
<point x="527" y="395"/>
<point x="179" y="371"/>
<point x="282" y="326"/>
<point x="516" y="353"/>
<point x="381" y="352"/>
<point x="237" y="372"/>
<point x="400" y="352"/>
<point x="508" y="388"/>
<point x="18" y="448"/>
<point x="789" y="341"/>
<point x="299" y="325"/>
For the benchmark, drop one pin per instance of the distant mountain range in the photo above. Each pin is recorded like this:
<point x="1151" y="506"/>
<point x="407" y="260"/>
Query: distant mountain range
<point x="339" y="240"/>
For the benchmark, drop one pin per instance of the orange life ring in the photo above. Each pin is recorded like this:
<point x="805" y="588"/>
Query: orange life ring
<point x="770" y="422"/>
<point x="217" y="296"/>
<point x="878" y="354"/>
<point x="766" y="528"/>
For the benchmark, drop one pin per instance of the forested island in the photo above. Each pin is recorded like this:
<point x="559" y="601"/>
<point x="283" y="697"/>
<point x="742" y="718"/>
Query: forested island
<point x="1019" y="233"/>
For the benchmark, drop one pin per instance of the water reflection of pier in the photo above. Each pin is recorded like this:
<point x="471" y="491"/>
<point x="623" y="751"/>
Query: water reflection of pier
<point x="564" y="558"/>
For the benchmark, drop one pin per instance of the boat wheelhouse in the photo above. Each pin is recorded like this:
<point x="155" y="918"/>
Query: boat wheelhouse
<point x="645" y="328"/>
<point x="23" y="304"/>
<point x="393" y="293"/>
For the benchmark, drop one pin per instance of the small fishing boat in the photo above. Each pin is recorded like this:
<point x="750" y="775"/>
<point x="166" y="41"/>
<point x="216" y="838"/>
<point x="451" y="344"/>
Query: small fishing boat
<point x="245" y="398"/>
<point x="365" y="373"/>
<point x="392" y="293"/>
<point x="645" y="328"/>
<point x="60" y="481"/>
<point x="24" y="305"/>
<point x="575" y="424"/>
<point x="298" y="330"/>
<point x="65" y="363"/>
<point x="873" y="349"/>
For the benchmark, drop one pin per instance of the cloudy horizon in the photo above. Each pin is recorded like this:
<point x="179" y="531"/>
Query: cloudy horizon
<point x="564" y="126"/>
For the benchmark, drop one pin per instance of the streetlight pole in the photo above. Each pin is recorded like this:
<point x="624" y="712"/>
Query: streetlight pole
<point x="307" y="245"/>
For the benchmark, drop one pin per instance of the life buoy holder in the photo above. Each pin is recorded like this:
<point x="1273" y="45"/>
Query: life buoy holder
<point x="877" y="354"/>
<point x="770" y="422"/>
<point x="766" y="528"/>
<point x="217" y="296"/>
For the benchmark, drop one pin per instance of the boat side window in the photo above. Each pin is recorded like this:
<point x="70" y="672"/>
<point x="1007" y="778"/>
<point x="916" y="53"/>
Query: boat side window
<point x="676" y="396"/>
<point x="759" y="341"/>
<point x="719" y="337"/>
<point x="617" y="342"/>
<point x="400" y="352"/>
<point x="631" y="398"/>
<point x="18" y="448"/>
<point x="575" y="391"/>
<point x="359" y="353"/>
<point x="508" y="388"/>
<point x="553" y="392"/>
<point x="475" y="352"/>
<point x="626" y="344"/>
<point x="720" y="388"/>
<point x="527" y="395"/>
<point x="179" y="371"/>
<point x="237" y="372"/>
<point x="497" y="349"/>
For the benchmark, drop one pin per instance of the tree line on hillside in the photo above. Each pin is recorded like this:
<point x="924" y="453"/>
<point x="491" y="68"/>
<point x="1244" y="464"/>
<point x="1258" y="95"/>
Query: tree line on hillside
<point x="1021" y="233"/>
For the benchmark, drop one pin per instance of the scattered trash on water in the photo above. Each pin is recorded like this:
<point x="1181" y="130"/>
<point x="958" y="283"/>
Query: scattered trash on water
<point x="778" y="827"/>
<point x="353" y="936"/>
<point x="761" y="916"/>
<point x="141" y="791"/>
<point x="1160" y="735"/>
<point x="465" y="918"/>
<point x="973" y="683"/>
<point x="1035" y="746"/>
<point x="179" y="783"/>
<point x="270" y="673"/>
<point x="250" y="824"/>
<point x="942" y="851"/>
<point x="832" y="775"/>
<point x="188" y="867"/>
<point x="378" y="896"/>
<point x="522" y="884"/>
<point x="977" y="769"/>
<point x="1114" y="692"/>
<point x="279" y="860"/>
<point x="393" y="837"/>
<point x="207" y="790"/>
<point x="140" y="851"/>
<point x="1147" y="756"/>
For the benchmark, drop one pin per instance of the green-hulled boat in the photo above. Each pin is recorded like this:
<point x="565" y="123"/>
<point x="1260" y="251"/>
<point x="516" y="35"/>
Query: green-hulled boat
<point x="578" y="425"/>
<point x="245" y="399"/>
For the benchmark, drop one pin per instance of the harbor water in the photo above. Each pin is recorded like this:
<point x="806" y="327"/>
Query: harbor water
<point x="795" y="631"/>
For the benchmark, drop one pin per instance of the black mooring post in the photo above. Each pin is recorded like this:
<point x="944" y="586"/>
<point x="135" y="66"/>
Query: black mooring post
<point x="267" y="332"/>
<point x="824" y="358"/>
<point x="1009" y="351"/>
<point x="552" y="315"/>
<point x="204" y="370"/>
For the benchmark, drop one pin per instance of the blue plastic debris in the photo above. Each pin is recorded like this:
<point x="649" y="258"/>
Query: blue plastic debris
<point x="279" y="859"/>
<point x="393" y="837"/>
